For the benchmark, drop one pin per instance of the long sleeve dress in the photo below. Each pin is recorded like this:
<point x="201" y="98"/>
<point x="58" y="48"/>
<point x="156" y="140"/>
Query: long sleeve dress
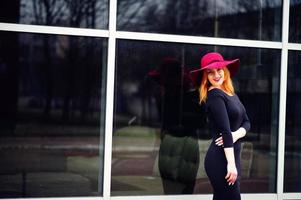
<point x="226" y="114"/>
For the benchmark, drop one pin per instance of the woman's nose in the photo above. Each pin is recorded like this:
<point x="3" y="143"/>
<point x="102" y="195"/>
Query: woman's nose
<point x="216" y="74"/>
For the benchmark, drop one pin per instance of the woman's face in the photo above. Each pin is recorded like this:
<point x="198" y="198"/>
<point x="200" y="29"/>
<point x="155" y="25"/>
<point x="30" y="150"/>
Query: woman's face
<point x="216" y="77"/>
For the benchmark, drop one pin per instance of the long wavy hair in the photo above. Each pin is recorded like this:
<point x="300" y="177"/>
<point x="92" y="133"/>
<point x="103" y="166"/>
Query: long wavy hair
<point x="227" y="85"/>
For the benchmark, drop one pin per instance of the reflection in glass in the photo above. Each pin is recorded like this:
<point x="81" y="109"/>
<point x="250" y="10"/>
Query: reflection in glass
<point x="295" y="21"/>
<point x="51" y="115"/>
<point x="157" y="114"/>
<point x="69" y="13"/>
<point x="292" y="167"/>
<point x="243" y="19"/>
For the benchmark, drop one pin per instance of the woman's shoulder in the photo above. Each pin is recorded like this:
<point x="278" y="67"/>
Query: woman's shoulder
<point x="215" y="95"/>
<point x="219" y="92"/>
<point x="216" y="92"/>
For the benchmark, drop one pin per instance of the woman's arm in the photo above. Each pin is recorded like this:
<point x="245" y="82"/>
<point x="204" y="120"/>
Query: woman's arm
<point x="246" y="122"/>
<point x="239" y="133"/>
<point x="231" y="167"/>
<point x="219" y="117"/>
<point x="236" y="135"/>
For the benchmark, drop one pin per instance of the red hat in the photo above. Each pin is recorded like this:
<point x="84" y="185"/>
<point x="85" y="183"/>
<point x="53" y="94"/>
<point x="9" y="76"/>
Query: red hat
<point x="215" y="60"/>
<point x="167" y="66"/>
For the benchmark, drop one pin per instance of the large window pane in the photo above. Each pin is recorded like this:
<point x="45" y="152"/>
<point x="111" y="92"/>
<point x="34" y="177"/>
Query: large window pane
<point x="292" y="173"/>
<point x="51" y="115"/>
<point x="74" y="13"/>
<point x="160" y="135"/>
<point x="295" y="21"/>
<point x="243" y="19"/>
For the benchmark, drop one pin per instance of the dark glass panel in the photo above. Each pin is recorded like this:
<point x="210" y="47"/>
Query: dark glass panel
<point x="157" y="119"/>
<point x="243" y="19"/>
<point x="292" y="163"/>
<point x="295" y="21"/>
<point x="51" y="115"/>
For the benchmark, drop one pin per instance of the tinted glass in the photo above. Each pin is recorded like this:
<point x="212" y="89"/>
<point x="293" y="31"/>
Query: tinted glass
<point x="75" y="13"/>
<point x="295" y="21"/>
<point x="292" y="173"/>
<point x="243" y="19"/>
<point x="51" y="115"/>
<point x="160" y="133"/>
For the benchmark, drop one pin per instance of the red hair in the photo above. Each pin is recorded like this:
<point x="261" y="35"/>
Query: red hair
<point x="227" y="85"/>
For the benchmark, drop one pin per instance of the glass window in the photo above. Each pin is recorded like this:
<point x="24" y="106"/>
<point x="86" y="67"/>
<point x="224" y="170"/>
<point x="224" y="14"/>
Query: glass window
<point x="51" y="115"/>
<point x="292" y="173"/>
<point x="160" y="133"/>
<point x="243" y="19"/>
<point x="295" y="21"/>
<point x="83" y="13"/>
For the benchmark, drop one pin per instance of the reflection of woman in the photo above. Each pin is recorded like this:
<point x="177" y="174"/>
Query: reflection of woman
<point x="228" y="123"/>
<point x="180" y="117"/>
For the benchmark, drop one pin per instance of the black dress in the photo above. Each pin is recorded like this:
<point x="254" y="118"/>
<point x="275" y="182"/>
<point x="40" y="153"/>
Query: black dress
<point x="226" y="113"/>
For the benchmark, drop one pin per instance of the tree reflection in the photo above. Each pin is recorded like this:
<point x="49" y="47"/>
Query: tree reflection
<point x="218" y="18"/>
<point x="74" y="13"/>
<point x="63" y="77"/>
<point x="50" y="115"/>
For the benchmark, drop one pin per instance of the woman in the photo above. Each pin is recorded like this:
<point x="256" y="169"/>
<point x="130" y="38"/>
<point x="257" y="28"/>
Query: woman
<point x="228" y="123"/>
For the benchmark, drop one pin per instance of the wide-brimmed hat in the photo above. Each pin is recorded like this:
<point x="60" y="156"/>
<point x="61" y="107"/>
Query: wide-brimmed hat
<point x="214" y="60"/>
<point x="167" y="66"/>
<point x="170" y="72"/>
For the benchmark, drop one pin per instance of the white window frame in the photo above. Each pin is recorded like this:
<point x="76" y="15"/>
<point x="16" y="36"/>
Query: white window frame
<point x="112" y="35"/>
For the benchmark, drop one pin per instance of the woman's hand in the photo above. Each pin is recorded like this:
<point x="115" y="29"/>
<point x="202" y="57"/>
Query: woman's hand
<point x="219" y="141"/>
<point x="241" y="132"/>
<point x="231" y="173"/>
